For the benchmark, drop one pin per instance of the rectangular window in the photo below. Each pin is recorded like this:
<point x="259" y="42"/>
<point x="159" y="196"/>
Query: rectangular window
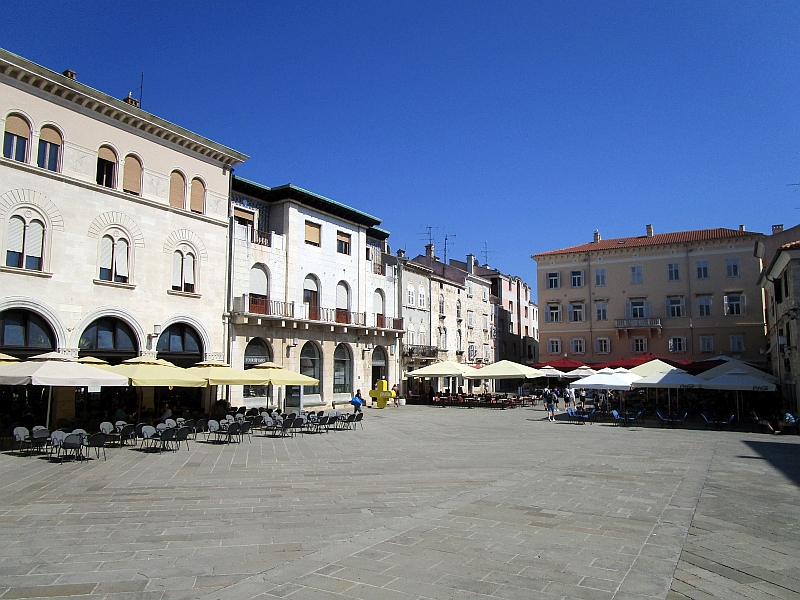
<point x="702" y="269"/>
<point x="486" y="352"/>
<point x="342" y="242"/>
<point x="737" y="343"/>
<point x="576" y="312"/>
<point x="526" y="311"/>
<point x="704" y="306"/>
<point x="105" y="173"/>
<point x="15" y="146"/>
<point x="469" y="289"/>
<point x="526" y="331"/>
<point x="734" y="304"/>
<point x="674" y="271"/>
<point x="675" y="308"/>
<point x="313" y="233"/>
<point x="706" y="344"/>
<point x="553" y="280"/>
<point x="48" y="155"/>
<point x="486" y="322"/>
<point x="554" y="346"/>
<point x="732" y="267"/>
<point x="470" y="318"/>
<point x="576" y="279"/>
<point x="511" y="328"/>
<point x="637" y="309"/>
<point x="677" y="344"/>
<point x="639" y="345"/>
<point x="636" y="274"/>
<point x="577" y="346"/>
<point x="602" y="346"/>
<point x="786" y="284"/>
<point x="601" y="312"/>
<point x="778" y="288"/>
<point x="553" y="314"/>
<point x="511" y="308"/>
<point x="600" y="277"/>
<point x="485" y="294"/>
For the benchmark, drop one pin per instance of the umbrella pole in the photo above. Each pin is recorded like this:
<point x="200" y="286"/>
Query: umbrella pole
<point x="49" y="404"/>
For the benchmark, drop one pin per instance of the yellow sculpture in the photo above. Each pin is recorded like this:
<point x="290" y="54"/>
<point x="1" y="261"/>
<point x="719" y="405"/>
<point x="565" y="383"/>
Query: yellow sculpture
<point x="382" y="394"/>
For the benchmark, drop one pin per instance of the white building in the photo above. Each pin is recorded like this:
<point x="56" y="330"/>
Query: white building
<point x="113" y="226"/>
<point x="313" y="289"/>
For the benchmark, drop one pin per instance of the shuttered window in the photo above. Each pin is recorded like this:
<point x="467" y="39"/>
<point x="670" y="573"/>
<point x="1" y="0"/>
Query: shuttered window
<point x="33" y="246"/>
<point x="313" y="233"/>
<point x="377" y="302"/>
<point x="106" y="166"/>
<point x="121" y="261"/>
<point x="177" y="190"/>
<point x="177" y="271"/>
<point x="15" y="140"/>
<point x="132" y="176"/>
<point x="188" y="272"/>
<point x="342" y="242"/>
<point x="198" y="197"/>
<point x="342" y="296"/>
<point x="18" y="126"/>
<point x="106" y="251"/>
<point x="49" y="148"/>
<point x="258" y="281"/>
<point x="16" y="235"/>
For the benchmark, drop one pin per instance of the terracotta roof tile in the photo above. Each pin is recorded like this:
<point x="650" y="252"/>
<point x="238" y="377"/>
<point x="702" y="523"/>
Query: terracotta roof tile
<point x="791" y="245"/>
<point x="658" y="239"/>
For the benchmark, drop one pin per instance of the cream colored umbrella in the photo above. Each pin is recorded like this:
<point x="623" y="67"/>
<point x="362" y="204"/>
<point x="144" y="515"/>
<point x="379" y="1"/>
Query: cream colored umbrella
<point x="220" y="373"/>
<point x="505" y="369"/>
<point x="146" y="371"/>
<point x="446" y="368"/>
<point x="92" y="360"/>
<point x="651" y="368"/>
<point x="279" y="376"/>
<point x="738" y="366"/>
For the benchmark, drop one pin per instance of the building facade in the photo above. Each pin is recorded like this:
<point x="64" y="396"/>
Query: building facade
<point x="313" y="288"/>
<point x="113" y="225"/>
<point x="684" y="295"/>
<point x="780" y="280"/>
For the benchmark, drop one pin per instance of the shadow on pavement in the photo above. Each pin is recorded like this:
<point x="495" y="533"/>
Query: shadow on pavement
<point x="784" y="457"/>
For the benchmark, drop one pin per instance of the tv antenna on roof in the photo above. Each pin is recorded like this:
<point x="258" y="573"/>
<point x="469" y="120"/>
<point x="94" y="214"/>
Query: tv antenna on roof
<point x="428" y="233"/>
<point x="486" y="252"/>
<point x="446" y="237"/>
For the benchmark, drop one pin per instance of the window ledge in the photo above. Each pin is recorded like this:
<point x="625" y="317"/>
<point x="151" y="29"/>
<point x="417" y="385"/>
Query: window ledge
<point x="184" y="294"/>
<point x="115" y="284"/>
<point x="30" y="272"/>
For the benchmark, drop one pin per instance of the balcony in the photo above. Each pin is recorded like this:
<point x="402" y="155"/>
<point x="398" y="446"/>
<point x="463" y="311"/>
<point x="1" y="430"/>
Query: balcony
<point x="334" y="315"/>
<point x="262" y="238"/>
<point x="383" y="322"/>
<point x="638" y="323"/>
<point x="261" y="305"/>
<point x="379" y="269"/>
<point x="420" y="351"/>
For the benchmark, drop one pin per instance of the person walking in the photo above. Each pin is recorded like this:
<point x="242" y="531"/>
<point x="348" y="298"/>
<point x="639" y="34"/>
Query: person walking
<point x="551" y="405"/>
<point x="357" y="402"/>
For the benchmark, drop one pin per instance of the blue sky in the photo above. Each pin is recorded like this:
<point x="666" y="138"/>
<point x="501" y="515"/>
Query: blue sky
<point x="524" y="125"/>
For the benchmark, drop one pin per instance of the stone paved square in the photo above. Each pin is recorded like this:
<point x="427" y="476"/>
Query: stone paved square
<point x="420" y="503"/>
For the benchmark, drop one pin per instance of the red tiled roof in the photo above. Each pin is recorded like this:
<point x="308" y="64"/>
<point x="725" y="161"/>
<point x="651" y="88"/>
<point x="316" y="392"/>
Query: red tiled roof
<point x="658" y="239"/>
<point x="791" y="245"/>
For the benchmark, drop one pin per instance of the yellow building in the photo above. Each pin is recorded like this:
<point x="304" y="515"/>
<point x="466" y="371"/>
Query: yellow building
<point x="687" y="295"/>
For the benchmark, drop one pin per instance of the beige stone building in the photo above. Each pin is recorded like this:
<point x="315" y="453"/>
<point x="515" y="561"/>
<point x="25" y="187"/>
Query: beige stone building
<point x="113" y="227"/>
<point x="683" y="295"/>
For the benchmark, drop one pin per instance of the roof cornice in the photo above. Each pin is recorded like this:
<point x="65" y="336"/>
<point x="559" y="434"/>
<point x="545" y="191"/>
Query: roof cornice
<point x="25" y="73"/>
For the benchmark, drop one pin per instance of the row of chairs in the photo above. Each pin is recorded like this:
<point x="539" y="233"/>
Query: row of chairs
<point x="58" y="444"/>
<point x="576" y="416"/>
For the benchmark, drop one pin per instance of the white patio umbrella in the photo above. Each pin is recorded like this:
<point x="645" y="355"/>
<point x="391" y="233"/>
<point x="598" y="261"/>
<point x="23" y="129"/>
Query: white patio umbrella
<point x="674" y="379"/>
<point x="57" y="370"/>
<point x="738" y="366"/>
<point x="739" y="380"/>
<point x="505" y="369"/>
<point x="651" y="368"/>
<point x="579" y="373"/>
<point x="446" y="368"/>
<point x="606" y="381"/>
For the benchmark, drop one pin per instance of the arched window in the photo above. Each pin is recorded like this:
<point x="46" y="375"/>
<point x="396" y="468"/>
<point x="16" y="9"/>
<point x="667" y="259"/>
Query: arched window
<point x="342" y="302"/>
<point x="423" y="336"/>
<point x="310" y="365"/>
<point x="25" y="242"/>
<point x="24" y="334"/>
<point x="183" y="270"/>
<point x="421" y="297"/>
<point x="106" y="167"/>
<point x="342" y="380"/>
<point x="441" y="304"/>
<point x="410" y="300"/>
<point x="458" y="341"/>
<point x="108" y="338"/>
<point x="177" y="190"/>
<point x="378" y="307"/>
<point x="180" y="344"/>
<point x="410" y="335"/>
<point x="444" y="338"/>
<point x="378" y="365"/>
<point x="16" y="139"/>
<point x="49" y="148"/>
<point x="255" y="353"/>
<point x="197" y="200"/>
<point x="259" y="290"/>
<point x="458" y="309"/>
<point x="114" y="258"/>
<point x="311" y="297"/>
<point x="132" y="176"/>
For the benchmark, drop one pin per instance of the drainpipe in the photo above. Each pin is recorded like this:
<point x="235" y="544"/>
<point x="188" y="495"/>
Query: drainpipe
<point x="690" y="307"/>
<point x="229" y="282"/>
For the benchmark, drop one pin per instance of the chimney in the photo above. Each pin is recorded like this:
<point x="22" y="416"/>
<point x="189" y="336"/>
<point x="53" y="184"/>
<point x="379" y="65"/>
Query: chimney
<point x="131" y="100"/>
<point x="649" y="231"/>
<point x="741" y="228"/>
<point x="597" y="237"/>
<point x="471" y="264"/>
<point x="70" y="73"/>
<point x="429" y="251"/>
<point x="777" y="228"/>
<point x="401" y="253"/>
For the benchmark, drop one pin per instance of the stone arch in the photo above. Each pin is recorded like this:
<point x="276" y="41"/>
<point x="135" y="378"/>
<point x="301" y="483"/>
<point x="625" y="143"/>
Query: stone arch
<point x="117" y="219"/>
<point x="14" y="199"/>
<point x="186" y="236"/>
<point x="198" y="327"/>
<point x="110" y="311"/>
<point x="44" y="311"/>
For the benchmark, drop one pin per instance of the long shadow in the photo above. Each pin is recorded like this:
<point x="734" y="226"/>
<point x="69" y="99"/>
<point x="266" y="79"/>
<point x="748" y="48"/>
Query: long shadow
<point x="783" y="456"/>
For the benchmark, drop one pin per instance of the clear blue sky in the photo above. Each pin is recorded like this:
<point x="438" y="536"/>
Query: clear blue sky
<point x="526" y="125"/>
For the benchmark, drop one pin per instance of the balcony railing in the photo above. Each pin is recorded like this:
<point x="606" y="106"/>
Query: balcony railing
<point x="638" y="323"/>
<point x="335" y="315"/>
<point x="384" y="322"/>
<point x="379" y="268"/>
<point x="261" y="305"/>
<point x="260" y="237"/>
<point x="420" y="351"/>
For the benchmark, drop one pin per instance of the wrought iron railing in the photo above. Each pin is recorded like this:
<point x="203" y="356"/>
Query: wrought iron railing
<point x="420" y="351"/>
<point x="261" y="305"/>
<point x="379" y="268"/>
